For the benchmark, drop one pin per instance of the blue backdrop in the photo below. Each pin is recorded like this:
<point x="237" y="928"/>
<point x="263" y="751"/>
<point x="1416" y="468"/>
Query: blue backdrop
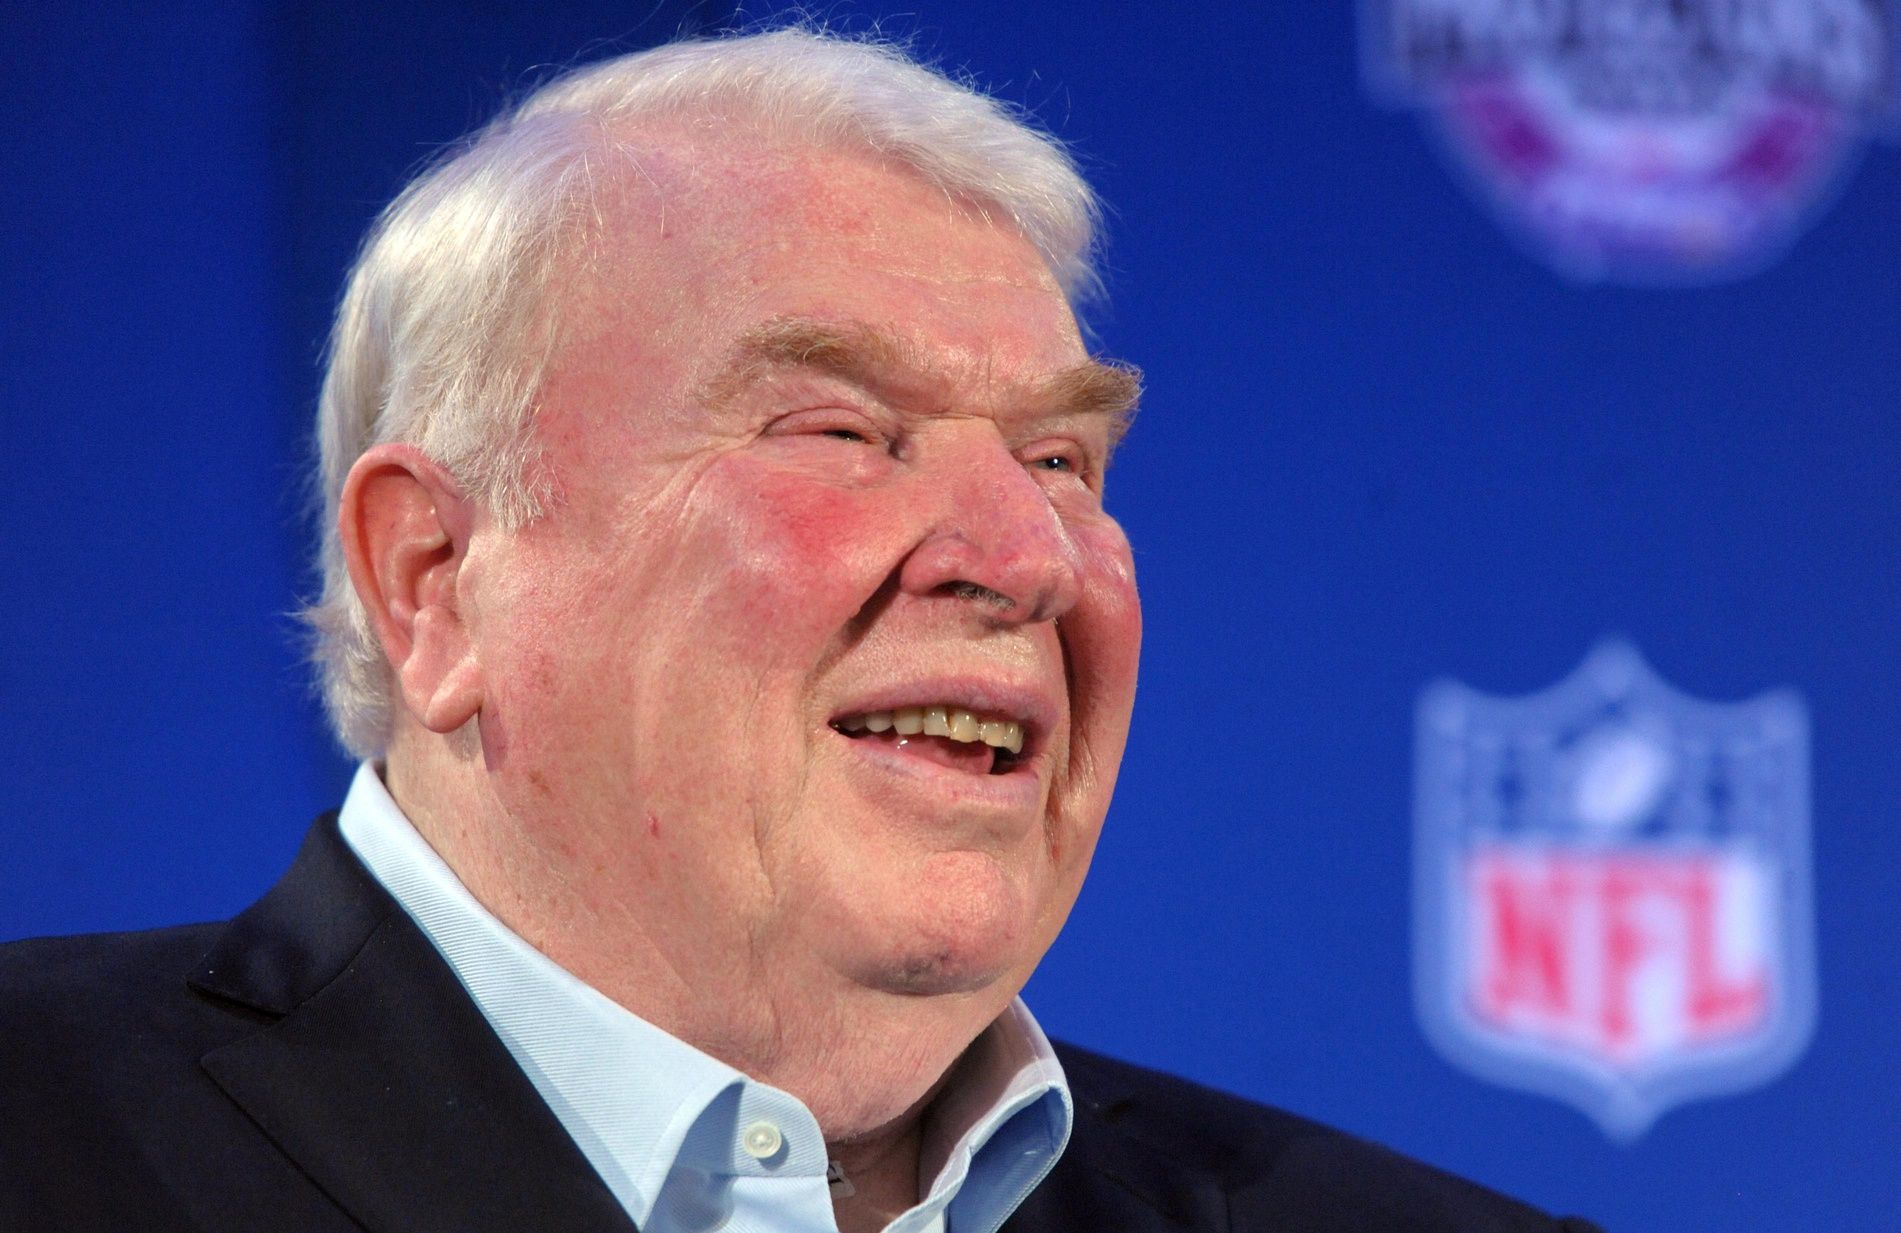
<point x="1381" y="446"/>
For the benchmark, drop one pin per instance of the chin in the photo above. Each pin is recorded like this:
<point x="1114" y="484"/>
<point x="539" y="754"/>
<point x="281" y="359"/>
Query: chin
<point x="936" y="972"/>
<point x="937" y="939"/>
<point x="960" y="924"/>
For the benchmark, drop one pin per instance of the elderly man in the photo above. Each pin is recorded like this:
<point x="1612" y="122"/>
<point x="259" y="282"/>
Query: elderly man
<point x="720" y="595"/>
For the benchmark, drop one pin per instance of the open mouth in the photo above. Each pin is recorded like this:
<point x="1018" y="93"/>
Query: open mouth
<point x="946" y="735"/>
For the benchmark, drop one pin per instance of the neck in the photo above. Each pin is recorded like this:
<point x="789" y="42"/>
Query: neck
<point x="880" y="1179"/>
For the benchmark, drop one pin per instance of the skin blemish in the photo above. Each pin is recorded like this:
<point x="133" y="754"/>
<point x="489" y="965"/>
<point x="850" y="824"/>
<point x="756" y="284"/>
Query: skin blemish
<point x="653" y="824"/>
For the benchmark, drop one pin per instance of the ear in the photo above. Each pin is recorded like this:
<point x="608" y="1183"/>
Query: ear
<point x="404" y="524"/>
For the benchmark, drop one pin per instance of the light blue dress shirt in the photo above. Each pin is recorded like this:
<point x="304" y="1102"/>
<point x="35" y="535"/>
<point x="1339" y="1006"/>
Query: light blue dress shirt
<point x="684" y="1141"/>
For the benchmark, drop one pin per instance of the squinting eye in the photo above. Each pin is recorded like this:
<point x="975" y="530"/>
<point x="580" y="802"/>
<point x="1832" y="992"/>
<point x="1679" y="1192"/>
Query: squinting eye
<point x="1055" y="462"/>
<point x="844" y="434"/>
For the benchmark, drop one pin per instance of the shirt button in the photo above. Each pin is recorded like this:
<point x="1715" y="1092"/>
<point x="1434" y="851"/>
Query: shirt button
<point x="761" y="1140"/>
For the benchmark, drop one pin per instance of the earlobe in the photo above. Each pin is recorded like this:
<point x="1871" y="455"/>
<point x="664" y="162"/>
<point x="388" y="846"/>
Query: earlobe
<point x="404" y="525"/>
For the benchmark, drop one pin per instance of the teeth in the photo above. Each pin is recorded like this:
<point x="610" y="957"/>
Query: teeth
<point x="953" y="723"/>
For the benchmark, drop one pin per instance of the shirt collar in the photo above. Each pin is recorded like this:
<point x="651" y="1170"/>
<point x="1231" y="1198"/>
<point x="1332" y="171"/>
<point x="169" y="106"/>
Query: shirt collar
<point x="641" y="1103"/>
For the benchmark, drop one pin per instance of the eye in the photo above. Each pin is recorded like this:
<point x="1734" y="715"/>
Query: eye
<point x="828" y="423"/>
<point x="1063" y="464"/>
<point x="1058" y="458"/>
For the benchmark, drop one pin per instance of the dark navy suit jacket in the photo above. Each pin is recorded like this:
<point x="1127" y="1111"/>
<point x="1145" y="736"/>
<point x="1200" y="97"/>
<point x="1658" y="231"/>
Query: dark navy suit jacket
<point x="314" y="1065"/>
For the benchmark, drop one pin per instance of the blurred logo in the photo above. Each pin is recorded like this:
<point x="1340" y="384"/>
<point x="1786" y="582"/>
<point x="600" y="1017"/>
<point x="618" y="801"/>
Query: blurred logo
<point x="1643" y="141"/>
<point x="1612" y="889"/>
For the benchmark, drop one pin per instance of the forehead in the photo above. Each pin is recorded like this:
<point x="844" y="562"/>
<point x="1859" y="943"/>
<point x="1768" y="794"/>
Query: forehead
<point x="703" y="238"/>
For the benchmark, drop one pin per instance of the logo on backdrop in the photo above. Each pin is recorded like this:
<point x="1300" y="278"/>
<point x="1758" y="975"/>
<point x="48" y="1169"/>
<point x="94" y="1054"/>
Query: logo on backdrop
<point x="1643" y="141"/>
<point x="1612" y="889"/>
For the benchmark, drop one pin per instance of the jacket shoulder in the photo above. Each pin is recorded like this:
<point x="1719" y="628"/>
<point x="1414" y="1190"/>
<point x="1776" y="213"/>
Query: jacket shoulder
<point x="61" y="977"/>
<point x="1279" y="1169"/>
<point x="82" y="1010"/>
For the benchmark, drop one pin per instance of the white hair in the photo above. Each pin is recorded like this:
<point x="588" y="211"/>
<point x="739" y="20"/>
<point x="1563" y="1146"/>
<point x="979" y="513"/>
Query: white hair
<point x="445" y="325"/>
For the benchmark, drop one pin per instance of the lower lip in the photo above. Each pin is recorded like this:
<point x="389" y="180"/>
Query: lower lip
<point x="1017" y="789"/>
<point x="970" y="757"/>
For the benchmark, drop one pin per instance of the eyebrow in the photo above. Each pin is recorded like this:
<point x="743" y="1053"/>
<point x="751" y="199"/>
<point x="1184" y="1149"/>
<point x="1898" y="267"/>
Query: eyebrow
<point x="871" y="356"/>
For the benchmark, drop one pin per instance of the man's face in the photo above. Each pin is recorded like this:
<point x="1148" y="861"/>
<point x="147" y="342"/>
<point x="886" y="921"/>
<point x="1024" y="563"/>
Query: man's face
<point x="825" y="449"/>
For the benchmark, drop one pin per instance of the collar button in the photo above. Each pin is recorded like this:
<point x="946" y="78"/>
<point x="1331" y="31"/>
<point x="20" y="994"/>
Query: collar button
<point x="761" y="1140"/>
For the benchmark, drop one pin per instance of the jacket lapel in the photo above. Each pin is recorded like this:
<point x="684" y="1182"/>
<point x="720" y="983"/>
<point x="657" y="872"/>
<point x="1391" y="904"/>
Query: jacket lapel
<point x="1106" y="1180"/>
<point x="375" y="1072"/>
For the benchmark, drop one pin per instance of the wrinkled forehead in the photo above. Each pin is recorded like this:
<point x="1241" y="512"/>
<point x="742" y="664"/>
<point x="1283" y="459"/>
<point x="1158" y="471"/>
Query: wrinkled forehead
<point x="701" y="243"/>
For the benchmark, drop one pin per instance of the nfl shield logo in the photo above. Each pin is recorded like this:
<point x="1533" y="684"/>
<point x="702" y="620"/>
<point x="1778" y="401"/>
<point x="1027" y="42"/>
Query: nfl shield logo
<point x="1612" y="889"/>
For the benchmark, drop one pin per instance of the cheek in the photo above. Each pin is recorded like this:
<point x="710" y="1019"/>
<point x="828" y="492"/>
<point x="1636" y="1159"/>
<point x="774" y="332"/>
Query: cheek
<point x="1105" y="628"/>
<point x="795" y="554"/>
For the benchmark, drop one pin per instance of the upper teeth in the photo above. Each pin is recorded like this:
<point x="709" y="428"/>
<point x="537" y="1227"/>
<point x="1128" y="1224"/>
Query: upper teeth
<point x="948" y="721"/>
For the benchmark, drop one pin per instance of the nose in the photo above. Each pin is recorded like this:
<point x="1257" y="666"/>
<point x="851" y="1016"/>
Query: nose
<point x="996" y="540"/>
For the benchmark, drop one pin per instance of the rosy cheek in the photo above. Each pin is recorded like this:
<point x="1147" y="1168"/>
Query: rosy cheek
<point x="810" y="553"/>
